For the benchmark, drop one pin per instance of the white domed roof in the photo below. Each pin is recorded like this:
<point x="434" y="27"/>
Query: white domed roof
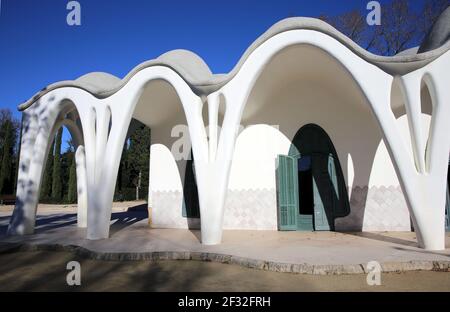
<point x="187" y="62"/>
<point x="99" y="81"/>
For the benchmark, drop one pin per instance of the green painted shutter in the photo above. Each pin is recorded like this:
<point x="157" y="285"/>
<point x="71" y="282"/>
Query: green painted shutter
<point x="287" y="175"/>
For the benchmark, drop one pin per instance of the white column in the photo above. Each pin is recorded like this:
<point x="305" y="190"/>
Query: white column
<point x="23" y="218"/>
<point x="82" y="190"/>
<point x="37" y="128"/>
<point x="104" y="176"/>
<point x="423" y="178"/>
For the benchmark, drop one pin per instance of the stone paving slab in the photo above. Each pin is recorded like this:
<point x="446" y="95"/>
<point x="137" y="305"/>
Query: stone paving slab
<point x="294" y="252"/>
<point x="304" y="268"/>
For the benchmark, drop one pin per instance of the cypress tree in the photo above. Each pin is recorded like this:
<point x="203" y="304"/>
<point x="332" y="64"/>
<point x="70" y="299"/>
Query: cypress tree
<point x="121" y="175"/>
<point x="139" y="157"/>
<point x="57" y="183"/>
<point x="46" y="189"/>
<point x="72" y="192"/>
<point x="6" y="173"/>
<point x="134" y="165"/>
<point x="17" y="158"/>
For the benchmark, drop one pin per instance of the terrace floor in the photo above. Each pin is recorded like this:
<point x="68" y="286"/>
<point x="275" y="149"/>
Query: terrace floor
<point x="132" y="238"/>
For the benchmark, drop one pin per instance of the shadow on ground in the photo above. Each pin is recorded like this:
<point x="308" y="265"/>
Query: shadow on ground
<point x="46" y="271"/>
<point x="44" y="223"/>
<point x="384" y="238"/>
<point x="121" y="220"/>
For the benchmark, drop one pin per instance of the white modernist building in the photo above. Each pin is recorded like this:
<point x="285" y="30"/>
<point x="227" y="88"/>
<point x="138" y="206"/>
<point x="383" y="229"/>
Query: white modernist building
<point x="308" y="132"/>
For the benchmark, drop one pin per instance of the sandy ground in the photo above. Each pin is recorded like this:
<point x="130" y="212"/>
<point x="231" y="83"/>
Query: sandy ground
<point x="46" y="271"/>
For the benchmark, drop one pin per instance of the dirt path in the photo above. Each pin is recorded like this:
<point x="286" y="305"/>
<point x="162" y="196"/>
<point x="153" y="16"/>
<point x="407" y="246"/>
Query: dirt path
<point x="46" y="271"/>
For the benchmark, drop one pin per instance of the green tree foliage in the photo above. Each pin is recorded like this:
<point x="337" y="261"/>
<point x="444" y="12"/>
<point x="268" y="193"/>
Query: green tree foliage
<point x="134" y="166"/>
<point x="6" y="172"/>
<point x="139" y="159"/>
<point x="67" y="185"/>
<point x="56" y="176"/>
<point x="72" y="187"/>
<point x="8" y="161"/>
<point x="46" y="188"/>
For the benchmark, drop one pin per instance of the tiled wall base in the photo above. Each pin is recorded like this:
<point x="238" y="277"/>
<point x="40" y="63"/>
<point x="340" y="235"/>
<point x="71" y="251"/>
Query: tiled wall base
<point x="386" y="210"/>
<point x="167" y="211"/>
<point x="251" y="210"/>
<point x="375" y="209"/>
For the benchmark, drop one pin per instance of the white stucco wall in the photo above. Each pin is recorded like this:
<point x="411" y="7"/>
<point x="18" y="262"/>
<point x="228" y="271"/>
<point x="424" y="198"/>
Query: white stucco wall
<point x="383" y="172"/>
<point x="251" y="197"/>
<point x="251" y="202"/>
<point x="384" y="179"/>
<point x="170" y="149"/>
<point x="287" y="98"/>
<point x="289" y="94"/>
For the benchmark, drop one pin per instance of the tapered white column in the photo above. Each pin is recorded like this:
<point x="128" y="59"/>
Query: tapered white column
<point x="82" y="190"/>
<point x="103" y="179"/>
<point x="23" y="218"/>
<point x="37" y="129"/>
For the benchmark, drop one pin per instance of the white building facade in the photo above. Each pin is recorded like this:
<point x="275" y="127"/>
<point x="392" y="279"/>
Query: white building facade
<point x="309" y="132"/>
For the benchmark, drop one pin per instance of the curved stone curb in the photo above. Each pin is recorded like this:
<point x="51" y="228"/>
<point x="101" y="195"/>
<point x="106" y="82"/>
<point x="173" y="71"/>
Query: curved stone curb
<point x="303" y="268"/>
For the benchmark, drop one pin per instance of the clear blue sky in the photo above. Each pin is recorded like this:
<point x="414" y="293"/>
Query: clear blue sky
<point x="38" y="47"/>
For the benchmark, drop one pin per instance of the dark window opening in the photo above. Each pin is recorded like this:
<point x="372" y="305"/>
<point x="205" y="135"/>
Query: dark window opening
<point x="191" y="206"/>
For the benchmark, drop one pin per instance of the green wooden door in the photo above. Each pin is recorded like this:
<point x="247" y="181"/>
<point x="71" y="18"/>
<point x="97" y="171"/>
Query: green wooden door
<point x="323" y="192"/>
<point x="287" y="178"/>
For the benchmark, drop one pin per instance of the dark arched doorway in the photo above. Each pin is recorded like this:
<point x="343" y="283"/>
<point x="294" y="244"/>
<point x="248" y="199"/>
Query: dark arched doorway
<point x="311" y="188"/>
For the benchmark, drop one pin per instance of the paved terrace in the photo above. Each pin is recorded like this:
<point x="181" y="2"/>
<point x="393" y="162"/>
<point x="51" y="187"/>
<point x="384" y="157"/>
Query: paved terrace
<point x="301" y="252"/>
